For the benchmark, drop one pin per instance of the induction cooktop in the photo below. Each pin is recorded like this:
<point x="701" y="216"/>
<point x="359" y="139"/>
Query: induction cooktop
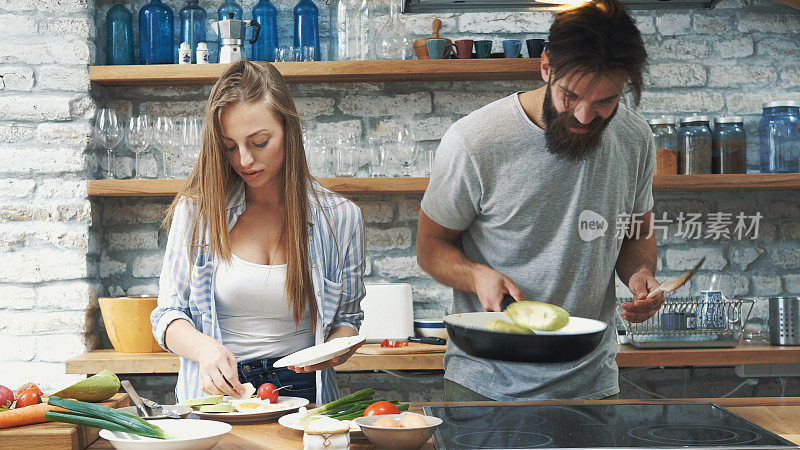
<point x="631" y="426"/>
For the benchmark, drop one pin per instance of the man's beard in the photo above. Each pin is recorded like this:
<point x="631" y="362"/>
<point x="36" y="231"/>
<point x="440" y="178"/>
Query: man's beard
<point x="565" y="143"/>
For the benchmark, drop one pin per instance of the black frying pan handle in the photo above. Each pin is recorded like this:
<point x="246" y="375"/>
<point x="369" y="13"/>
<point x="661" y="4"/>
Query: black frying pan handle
<point x="507" y="300"/>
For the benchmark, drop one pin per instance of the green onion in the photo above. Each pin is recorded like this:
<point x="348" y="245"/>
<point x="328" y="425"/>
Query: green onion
<point x="337" y="405"/>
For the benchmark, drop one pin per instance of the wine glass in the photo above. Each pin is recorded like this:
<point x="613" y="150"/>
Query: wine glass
<point x="164" y="131"/>
<point x="108" y="133"/>
<point x="138" y="135"/>
<point x="191" y="140"/>
<point x="406" y="148"/>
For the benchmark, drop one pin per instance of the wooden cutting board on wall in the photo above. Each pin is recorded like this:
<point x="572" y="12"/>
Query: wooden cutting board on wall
<point x="56" y="435"/>
<point x="413" y="347"/>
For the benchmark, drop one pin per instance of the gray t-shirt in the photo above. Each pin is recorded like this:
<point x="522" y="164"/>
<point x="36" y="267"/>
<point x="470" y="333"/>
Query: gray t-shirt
<point x="519" y="208"/>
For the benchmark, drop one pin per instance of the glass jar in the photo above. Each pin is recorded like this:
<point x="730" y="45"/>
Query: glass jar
<point x="394" y="41"/>
<point x="694" y="145"/>
<point x="227" y="7"/>
<point x="666" y="140"/>
<point x="119" y="35"/>
<point x="779" y="137"/>
<point x="265" y="13"/>
<point x="193" y="26"/>
<point x="156" y="44"/>
<point x="728" y="146"/>
<point x="306" y="26"/>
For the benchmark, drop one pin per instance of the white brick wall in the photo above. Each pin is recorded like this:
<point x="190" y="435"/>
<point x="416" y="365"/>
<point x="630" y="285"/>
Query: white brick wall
<point x="48" y="276"/>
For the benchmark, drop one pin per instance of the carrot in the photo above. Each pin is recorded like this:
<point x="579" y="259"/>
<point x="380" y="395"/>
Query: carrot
<point x="26" y="415"/>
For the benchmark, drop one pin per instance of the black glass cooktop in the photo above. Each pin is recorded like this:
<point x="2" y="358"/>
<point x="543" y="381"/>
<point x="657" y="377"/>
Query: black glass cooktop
<point x="653" y="425"/>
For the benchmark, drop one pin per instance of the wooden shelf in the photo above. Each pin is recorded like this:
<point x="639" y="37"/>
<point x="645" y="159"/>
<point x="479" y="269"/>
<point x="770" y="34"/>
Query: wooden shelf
<point x="168" y="188"/>
<point x="328" y="71"/>
<point x="417" y="185"/>
<point x="122" y="363"/>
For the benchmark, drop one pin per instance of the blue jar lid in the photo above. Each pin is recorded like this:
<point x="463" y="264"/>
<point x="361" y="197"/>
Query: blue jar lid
<point x="780" y="103"/>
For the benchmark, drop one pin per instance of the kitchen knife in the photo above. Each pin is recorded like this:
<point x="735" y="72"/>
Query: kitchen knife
<point x="158" y="409"/>
<point x="428" y="340"/>
<point x="135" y="397"/>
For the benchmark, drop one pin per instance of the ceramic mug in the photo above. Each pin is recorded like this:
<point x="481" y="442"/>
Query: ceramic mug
<point x="535" y="47"/>
<point x="438" y="48"/>
<point x="483" y="48"/>
<point x="464" y="48"/>
<point x="512" y="48"/>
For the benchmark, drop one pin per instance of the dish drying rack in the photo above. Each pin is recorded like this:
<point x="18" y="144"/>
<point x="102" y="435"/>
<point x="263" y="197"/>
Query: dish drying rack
<point x="707" y="324"/>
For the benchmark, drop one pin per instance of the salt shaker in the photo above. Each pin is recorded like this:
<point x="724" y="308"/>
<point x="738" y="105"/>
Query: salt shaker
<point x="185" y="53"/>
<point x="326" y="434"/>
<point x="202" y="53"/>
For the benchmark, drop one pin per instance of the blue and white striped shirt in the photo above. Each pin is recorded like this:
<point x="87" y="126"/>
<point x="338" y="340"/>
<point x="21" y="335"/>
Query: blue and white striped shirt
<point x="337" y="261"/>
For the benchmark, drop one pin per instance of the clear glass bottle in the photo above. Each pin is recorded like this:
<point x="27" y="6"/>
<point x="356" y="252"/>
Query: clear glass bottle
<point x="728" y="146"/>
<point x="156" y="43"/>
<point x="365" y="42"/>
<point x="344" y="30"/>
<point x="229" y="6"/>
<point x="394" y="41"/>
<point x="119" y="35"/>
<point x="666" y="139"/>
<point x="306" y="26"/>
<point x="193" y="26"/>
<point x="694" y="145"/>
<point x="779" y="137"/>
<point x="265" y="13"/>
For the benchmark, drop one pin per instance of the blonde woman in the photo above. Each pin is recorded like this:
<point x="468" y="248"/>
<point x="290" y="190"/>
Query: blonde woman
<point x="261" y="261"/>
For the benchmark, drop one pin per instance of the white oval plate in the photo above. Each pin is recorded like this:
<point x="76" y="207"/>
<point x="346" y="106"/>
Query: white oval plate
<point x="192" y="434"/>
<point x="284" y="405"/>
<point x="320" y="353"/>
<point x="292" y="421"/>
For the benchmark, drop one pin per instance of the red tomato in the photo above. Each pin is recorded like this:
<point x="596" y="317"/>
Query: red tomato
<point x="26" y="387"/>
<point x="268" y="391"/>
<point x="380" y="408"/>
<point x="6" y="397"/>
<point x="29" y="397"/>
<point x="393" y="344"/>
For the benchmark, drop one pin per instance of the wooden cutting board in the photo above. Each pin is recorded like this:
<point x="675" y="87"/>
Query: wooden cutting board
<point x="413" y="347"/>
<point x="56" y="435"/>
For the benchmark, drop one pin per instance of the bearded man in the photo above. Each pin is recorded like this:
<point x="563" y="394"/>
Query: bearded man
<point x="524" y="199"/>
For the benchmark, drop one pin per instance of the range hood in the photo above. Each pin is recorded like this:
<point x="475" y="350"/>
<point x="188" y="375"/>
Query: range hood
<point x="449" y="6"/>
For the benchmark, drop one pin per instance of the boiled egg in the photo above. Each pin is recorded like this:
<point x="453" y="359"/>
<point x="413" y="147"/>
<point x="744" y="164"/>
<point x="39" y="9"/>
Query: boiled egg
<point x="411" y="420"/>
<point x="386" y="422"/>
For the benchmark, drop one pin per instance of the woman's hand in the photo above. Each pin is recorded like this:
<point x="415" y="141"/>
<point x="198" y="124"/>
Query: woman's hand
<point x="218" y="374"/>
<point x="336" y="333"/>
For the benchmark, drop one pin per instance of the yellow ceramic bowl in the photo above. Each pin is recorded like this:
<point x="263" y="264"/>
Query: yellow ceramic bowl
<point x="127" y="321"/>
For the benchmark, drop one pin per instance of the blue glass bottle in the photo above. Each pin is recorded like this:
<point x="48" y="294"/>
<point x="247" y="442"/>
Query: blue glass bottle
<point x="193" y="26"/>
<point x="265" y="13"/>
<point x="306" y="26"/>
<point x="156" y="44"/>
<point x="779" y="137"/>
<point x="229" y="6"/>
<point x="119" y="35"/>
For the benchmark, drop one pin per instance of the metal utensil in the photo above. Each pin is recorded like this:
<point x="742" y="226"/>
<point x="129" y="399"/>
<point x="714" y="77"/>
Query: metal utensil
<point x="676" y="283"/>
<point x="135" y="397"/>
<point x="157" y="409"/>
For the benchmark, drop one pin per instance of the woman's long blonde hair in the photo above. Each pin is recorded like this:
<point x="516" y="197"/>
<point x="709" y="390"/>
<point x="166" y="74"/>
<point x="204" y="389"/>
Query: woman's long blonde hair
<point x="213" y="176"/>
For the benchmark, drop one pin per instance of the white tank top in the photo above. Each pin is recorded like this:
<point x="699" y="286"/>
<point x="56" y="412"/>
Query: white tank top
<point x="254" y="314"/>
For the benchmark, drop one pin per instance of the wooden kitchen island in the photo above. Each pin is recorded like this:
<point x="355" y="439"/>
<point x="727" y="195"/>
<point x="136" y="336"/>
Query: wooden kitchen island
<point x="779" y="415"/>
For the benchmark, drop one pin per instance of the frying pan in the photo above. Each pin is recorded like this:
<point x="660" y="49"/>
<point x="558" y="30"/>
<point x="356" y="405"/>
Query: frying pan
<point x="577" y="339"/>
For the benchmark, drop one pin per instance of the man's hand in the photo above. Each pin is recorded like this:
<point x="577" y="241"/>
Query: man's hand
<point x="639" y="310"/>
<point x="491" y="286"/>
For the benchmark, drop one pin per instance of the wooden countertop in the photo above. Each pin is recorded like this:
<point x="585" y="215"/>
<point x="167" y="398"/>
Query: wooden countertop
<point x="628" y="356"/>
<point x="779" y="415"/>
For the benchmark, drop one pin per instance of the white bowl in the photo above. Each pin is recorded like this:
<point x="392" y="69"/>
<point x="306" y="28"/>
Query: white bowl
<point x="191" y="434"/>
<point x="397" y="438"/>
<point x="425" y="328"/>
